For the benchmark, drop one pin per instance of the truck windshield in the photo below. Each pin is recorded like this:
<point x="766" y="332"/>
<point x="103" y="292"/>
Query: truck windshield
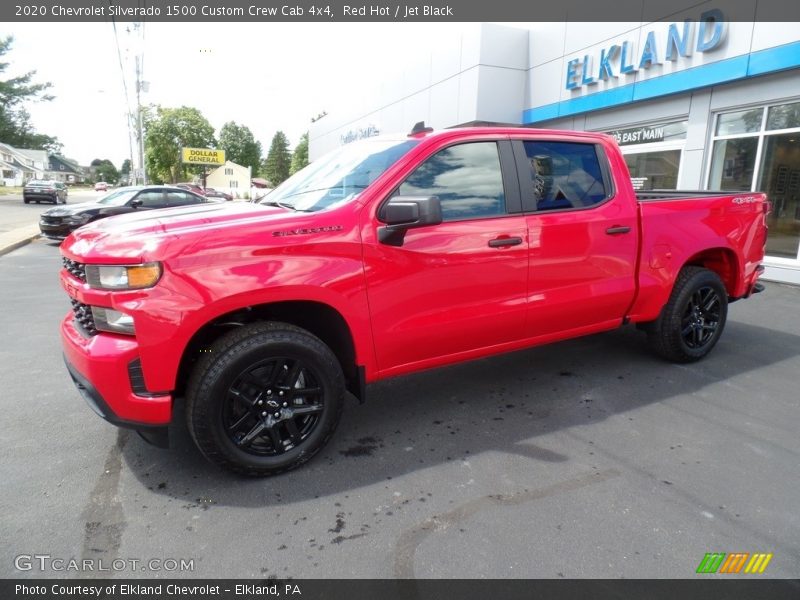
<point x="339" y="176"/>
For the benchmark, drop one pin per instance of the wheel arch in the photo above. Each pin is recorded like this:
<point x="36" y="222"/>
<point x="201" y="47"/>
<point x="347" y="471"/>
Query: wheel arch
<point x="723" y="262"/>
<point x="319" y="319"/>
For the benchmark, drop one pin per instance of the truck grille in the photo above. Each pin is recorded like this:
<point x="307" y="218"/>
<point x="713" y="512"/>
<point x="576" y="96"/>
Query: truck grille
<point x="75" y="268"/>
<point x="83" y="317"/>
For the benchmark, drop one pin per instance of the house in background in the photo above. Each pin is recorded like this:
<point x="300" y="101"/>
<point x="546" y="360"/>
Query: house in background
<point x="259" y="188"/>
<point x="231" y="178"/>
<point x="64" y="169"/>
<point x="19" y="166"/>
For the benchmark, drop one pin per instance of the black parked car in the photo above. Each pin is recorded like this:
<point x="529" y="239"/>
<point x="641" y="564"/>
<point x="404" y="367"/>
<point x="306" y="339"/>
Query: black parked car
<point x="37" y="190"/>
<point x="57" y="223"/>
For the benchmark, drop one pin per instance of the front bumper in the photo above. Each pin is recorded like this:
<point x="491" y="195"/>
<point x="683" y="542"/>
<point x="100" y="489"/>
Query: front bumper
<point x="56" y="231"/>
<point x="99" y="366"/>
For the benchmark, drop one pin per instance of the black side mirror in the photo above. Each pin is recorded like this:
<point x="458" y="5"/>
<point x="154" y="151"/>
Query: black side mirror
<point x="136" y="203"/>
<point x="402" y="213"/>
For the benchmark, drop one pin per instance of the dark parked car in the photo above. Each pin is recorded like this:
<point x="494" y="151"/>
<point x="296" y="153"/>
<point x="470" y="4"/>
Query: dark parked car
<point x="212" y="193"/>
<point x="192" y="188"/>
<point x="57" y="223"/>
<point x="37" y="190"/>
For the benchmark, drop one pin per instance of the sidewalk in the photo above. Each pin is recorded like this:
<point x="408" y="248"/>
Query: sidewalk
<point x="13" y="239"/>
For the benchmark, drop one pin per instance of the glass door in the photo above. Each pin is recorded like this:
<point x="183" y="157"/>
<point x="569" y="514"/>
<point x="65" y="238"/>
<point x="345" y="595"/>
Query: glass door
<point x="779" y="177"/>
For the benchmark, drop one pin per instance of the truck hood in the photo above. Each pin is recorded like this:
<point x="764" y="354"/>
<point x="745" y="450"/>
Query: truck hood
<point x="157" y="234"/>
<point x="66" y="210"/>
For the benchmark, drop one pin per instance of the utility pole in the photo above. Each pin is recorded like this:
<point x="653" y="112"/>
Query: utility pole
<point x="139" y="128"/>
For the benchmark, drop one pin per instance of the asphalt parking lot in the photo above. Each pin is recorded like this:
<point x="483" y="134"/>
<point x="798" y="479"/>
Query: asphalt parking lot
<point x="588" y="458"/>
<point x="18" y="214"/>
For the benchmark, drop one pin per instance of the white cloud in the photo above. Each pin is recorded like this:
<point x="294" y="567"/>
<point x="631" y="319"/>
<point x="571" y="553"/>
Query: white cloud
<point x="267" y="76"/>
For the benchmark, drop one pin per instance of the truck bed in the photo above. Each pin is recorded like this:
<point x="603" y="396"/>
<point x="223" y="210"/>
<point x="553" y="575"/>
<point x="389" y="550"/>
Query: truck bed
<point x="682" y="194"/>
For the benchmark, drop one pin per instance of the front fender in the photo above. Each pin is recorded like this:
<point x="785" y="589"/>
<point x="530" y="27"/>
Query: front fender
<point x="184" y="301"/>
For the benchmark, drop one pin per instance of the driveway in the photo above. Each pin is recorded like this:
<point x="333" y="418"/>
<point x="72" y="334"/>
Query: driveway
<point x="587" y="458"/>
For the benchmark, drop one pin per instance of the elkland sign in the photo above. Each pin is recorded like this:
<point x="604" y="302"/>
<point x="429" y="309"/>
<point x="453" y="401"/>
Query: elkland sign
<point x="621" y="60"/>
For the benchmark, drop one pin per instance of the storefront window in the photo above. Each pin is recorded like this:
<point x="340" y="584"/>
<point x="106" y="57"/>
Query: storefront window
<point x="744" y="136"/>
<point x="653" y="153"/>
<point x="656" y="170"/>
<point x="785" y="116"/>
<point x="780" y="179"/>
<point x="733" y="163"/>
<point x="745" y="121"/>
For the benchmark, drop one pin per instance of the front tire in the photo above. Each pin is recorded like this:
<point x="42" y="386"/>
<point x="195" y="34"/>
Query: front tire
<point x="264" y="399"/>
<point x="693" y="319"/>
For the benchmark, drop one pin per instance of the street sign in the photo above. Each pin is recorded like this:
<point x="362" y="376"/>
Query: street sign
<point x="202" y="156"/>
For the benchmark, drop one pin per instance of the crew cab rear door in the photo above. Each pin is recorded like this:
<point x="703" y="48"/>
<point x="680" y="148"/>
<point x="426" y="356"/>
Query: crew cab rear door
<point x="582" y="225"/>
<point x="450" y="289"/>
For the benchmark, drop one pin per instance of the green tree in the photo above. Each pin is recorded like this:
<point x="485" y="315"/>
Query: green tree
<point x="105" y="171"/>
<point x="125" y="171"/>
<point x="15" y="124"/>
<point x="167" y="131"/>
<point x="300" y="155"/>
<point x="279" y="160"/>
<point x="240" y="146"/>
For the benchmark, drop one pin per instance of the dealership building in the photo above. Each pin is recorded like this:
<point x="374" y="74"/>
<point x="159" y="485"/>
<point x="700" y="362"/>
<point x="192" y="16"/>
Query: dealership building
<point x="695" y="101"/>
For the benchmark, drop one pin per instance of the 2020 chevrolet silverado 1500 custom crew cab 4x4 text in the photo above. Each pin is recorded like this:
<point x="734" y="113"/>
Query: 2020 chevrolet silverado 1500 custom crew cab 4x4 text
<point x="385" y="257"/>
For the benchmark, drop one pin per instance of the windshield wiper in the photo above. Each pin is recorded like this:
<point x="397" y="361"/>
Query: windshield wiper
<point x="358" y="187"/>
<point x="278" y="204"/>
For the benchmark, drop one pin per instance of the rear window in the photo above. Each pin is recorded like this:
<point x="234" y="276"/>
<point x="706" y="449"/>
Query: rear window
<point x="565" y="175"/>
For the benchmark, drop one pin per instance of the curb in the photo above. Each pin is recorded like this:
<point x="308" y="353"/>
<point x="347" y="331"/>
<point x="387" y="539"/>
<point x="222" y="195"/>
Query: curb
<point x="17" y="238"/>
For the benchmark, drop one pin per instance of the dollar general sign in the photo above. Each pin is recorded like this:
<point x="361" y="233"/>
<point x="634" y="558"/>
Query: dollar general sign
<point x="203" y="156"/>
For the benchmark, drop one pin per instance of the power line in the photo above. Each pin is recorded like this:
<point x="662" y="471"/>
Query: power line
<point x="124" y="87"/>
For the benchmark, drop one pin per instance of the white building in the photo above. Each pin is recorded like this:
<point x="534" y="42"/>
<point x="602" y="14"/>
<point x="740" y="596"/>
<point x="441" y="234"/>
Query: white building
<point x="694" y="101"/>
<point x="231" y="178"/>
<point x="19" y="166"/>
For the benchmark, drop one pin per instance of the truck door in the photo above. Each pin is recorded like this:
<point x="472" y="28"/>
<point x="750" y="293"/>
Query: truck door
<point x="457" y="287"/>
<point x="583" y="237"/>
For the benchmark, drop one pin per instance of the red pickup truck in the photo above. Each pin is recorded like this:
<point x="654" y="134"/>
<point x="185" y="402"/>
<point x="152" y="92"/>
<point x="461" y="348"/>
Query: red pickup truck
<point x="388" y="256"/>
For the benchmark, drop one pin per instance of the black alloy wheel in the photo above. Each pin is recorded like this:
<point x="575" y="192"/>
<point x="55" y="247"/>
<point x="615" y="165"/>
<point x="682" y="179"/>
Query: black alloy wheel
<point x="273" y="406"/>
<point x="694" y="317"/>
<point x="264" y="398"/>
<point x="701" y="317"/>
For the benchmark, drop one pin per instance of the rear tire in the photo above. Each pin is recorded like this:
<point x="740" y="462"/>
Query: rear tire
<point x="264" y="399"/>
<point x="26" y="201"/>
<point x="693" y="319"/>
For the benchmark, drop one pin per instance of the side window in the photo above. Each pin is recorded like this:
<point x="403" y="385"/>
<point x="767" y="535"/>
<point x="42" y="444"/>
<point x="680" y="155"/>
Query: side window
<point x="180" y="199"/>
<point x="565" y="175"/>
<point x="153" y="199"/>
<point x="466" y="178"/>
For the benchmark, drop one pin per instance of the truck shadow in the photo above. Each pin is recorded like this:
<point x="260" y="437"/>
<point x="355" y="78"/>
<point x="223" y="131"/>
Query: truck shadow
<point x="500" y="405"/>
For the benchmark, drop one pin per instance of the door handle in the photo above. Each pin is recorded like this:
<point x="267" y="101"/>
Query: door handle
<point x="505" y="241"/>
<point x="618" y="229"/>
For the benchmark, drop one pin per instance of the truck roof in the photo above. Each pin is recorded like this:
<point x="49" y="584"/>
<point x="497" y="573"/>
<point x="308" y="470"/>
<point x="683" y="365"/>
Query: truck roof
<point x="502" y="130"/>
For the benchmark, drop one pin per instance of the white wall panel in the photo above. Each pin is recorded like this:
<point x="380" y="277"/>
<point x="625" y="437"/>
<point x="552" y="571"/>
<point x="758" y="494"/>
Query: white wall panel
<point x="500" y="94"/>
<point x="543" y="84"/>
